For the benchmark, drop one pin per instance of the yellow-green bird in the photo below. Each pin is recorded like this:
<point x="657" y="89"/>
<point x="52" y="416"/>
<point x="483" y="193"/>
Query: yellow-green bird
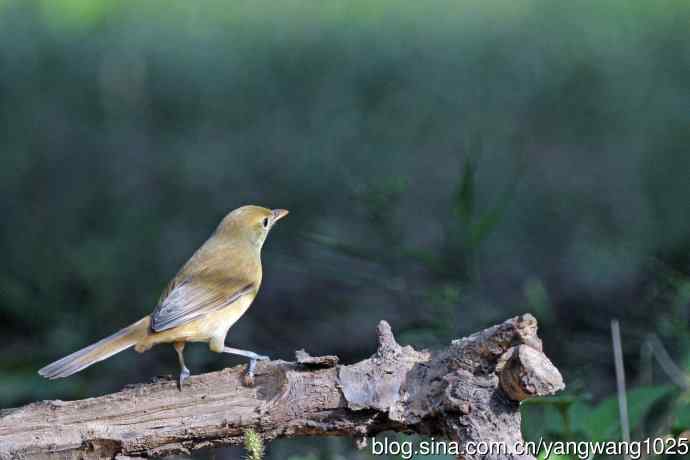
<point x="206" y="297"/>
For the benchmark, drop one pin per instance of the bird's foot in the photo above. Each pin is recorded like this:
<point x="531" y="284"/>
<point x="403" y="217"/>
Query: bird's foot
<point x="184" y="374"/>
<point x="249" y="375"/>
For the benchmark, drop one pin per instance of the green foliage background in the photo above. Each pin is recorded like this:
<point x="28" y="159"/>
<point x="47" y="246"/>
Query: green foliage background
<point x="447" y="164"/>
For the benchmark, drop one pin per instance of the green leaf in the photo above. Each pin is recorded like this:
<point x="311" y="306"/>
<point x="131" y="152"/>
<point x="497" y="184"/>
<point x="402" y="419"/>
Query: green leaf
<point x="604" y="420"/>
<point x="682" y="417"/>
<point x="485" y="226"/>
<point x="542" y="456"/>
<point x="579" y="417"/>
<point x="641" y="400"/>
<point x="253" y="445"/>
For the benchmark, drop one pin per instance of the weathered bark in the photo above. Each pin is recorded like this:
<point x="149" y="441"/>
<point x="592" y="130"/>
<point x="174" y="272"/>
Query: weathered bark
<point x="468" y="391"/>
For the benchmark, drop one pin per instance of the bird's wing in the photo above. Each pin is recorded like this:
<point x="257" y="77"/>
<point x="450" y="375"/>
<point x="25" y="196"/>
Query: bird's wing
<point x="194" y="297"/>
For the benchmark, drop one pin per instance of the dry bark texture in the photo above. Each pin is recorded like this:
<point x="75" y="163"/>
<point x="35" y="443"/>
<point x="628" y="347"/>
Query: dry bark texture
<point x="469" y="391"/>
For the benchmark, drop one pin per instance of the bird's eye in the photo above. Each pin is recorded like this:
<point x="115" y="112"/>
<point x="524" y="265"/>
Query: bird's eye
<point x="265" y="222"/>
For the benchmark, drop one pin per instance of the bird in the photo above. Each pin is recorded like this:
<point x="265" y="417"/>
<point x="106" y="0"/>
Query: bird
<point x="205" y="298"/>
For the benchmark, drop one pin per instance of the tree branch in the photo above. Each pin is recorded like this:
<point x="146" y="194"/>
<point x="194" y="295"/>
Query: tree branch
<point x="469" y="391"/>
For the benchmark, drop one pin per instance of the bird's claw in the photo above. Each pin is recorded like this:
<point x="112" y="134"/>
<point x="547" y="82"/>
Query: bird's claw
<point x="184" y="374"/>
<point x="249" y="375"/>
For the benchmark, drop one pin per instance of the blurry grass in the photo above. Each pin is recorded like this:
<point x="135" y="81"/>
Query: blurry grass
<point x="253" y="445"/>
<point x="79" y="12"/>
<point x="435" y="15"/>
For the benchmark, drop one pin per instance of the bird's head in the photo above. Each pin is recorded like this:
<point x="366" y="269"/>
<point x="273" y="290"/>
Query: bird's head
<point x="250" y="223"/>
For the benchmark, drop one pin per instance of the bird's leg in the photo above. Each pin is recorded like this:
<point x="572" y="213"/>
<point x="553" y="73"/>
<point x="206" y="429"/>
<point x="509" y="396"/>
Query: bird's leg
<point x="253" y="358"/>
<point x="184" y="372"/>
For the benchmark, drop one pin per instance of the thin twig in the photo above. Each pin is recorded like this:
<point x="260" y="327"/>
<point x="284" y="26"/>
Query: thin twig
<point x="667" y="364"/>
<point x="620" y="382"/>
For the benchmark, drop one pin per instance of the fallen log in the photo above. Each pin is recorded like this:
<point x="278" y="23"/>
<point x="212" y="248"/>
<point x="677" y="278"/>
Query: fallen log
<point x="468" y="392"/>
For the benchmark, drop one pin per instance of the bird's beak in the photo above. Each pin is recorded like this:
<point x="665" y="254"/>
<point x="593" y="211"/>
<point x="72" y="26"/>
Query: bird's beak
<point x="279" y="214"/>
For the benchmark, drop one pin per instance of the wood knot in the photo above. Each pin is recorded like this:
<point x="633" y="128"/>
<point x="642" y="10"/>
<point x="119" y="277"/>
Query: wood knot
<point x="525" y="372"/>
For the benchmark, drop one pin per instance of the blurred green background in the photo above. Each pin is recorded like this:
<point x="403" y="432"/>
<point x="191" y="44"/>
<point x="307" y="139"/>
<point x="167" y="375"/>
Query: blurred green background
<point x="447" y="164"/>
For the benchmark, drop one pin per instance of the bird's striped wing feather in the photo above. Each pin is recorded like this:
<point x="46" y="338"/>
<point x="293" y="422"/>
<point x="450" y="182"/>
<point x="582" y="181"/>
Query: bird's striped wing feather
<point x="193" y="298"/>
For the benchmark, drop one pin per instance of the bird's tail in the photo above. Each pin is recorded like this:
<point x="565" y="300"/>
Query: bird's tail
<point x="96" y="352"/>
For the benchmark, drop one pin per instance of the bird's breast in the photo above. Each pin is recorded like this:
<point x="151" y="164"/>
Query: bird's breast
<point x="218" y="323"/>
